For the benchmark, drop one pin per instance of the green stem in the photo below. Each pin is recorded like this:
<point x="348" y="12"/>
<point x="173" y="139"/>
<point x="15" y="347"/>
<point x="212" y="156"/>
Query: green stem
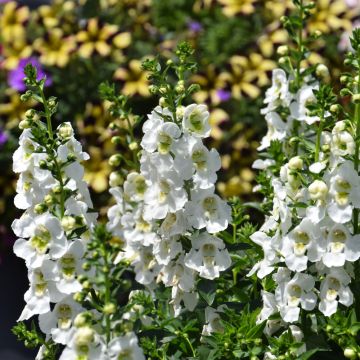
<point x="318" y="137"/>
<point x="300" y="45"/>
<point x="107" y="295"/>
<point x="190" y="345"/>
<point x="47" y="113"/>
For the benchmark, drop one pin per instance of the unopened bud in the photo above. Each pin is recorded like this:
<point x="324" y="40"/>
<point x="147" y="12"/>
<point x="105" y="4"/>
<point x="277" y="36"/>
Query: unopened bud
<point x="43" y="164"/>
<point x="153" y="89"/>
<point x="344" y="79"/>
<point x="163" y="90"/>
<point x="180" y="87"/>
<point x="48" y="200"/>
<point x="30" y="113"/>
<point x="283" y="60"/>
<point x="296" y="163"/>
<point x="68" y="223"/>
<point x="283" y="50"/>
<point x="40" y="208"/>
<point x="169" y="62"/>
<point x="65" y="131"/>
<point x="115" y="160"/>
<point x="24" y="124"/>
<point x="56" y="189"/>
<point x="133" y="146"/>
<point x="356" y="98"/>
<point x="116" y="179"/>
<point x="116" y="140"/>
<point x="322" y="71"/>
<point x="318" y="190"/>
<point x="82" y="319"/>
<point x="84" y="336"/>
<point x="350" y="353"/>
<point x="109" y="308"/>
<point x="345" y="92"/>
<point x="317" y="33"/>
<point x="162" y="102"/>
<point x="335" y="108"/>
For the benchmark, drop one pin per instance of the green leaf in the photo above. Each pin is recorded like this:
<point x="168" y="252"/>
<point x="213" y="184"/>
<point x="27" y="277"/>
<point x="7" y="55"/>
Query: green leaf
<point x="207" y="290"/>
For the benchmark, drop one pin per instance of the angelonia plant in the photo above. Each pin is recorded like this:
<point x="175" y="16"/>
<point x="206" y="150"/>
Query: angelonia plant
<point x="171" y="270"/>
<point x="309" y="162"/>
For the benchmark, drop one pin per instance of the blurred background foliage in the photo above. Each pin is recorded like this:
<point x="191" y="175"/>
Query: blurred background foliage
<point x="79" y="44"/>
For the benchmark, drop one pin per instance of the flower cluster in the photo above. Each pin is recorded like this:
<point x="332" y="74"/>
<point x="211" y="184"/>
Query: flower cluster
<point x="310" y="239"/>
<point x="168" y="213"/>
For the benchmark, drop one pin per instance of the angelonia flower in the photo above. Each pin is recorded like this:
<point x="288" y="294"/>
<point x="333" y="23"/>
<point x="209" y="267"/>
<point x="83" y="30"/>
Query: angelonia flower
<point x="53" y="231"/>
<point x="308" y="239"/>
<point x="168" y="213"/>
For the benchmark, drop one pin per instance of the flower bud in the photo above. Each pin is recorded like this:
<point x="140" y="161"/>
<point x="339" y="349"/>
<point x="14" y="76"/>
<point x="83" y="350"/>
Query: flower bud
<point x="109" y="308"/>
<point x="84" y="336"/>
<point x="322" y="71"/>
<point x="282" y="50"/>
<point x="317" y="33"/>
<point x="56" y="189"/>
<point x="116" y="179"/>
<point x="356" y="98"/>
<point x="68" y="223"/>
<point x="40" y="208"/>
<point x="296" y="163"/>
<point x="43" y="164"/>
<point x="283" y="60"/>
<point x="65" y="131"/>
<point x="30" y="113"/>
<point x="115" y="160"/>
<point x="350" y="353"/>
<point x="318" y="190"/>
<point x="344" y="79"/>
<point x="116" y="140"/>
<point x="180" y="87"/>
<point x="24" y="124"/>
<point x="133" y="146"/>
<point x="163" y="90"/>
<point x="335" y="108"/>
<point x="162" y="102"/>
<point x="169" y="62"/>
<point x="48" y="200"/>
<point x="345" y="92"/>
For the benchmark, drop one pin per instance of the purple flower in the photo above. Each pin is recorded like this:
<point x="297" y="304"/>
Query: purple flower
<point x="4" y="1"/>
<point x="3" y="138"/>
<point x="223" y="95"/>
<point x="194" y="26"/>
<point x="16" y="76"/>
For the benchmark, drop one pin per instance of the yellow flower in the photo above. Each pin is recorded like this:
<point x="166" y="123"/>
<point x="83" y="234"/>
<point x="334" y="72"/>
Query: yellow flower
<point x="13" y="110"/>
<point x="233" y="7"/>
<point x="59" y="13"/>
<point x="329" y="15"/>
<point x="247" y="75"/>
<point x="97" y="170"/>
<point x="14" y="51"/>
<point x="95" y="38"/>
<point x="217" y="117"/>
<point x="278" y="8"/>
<point x="237" y="185"/>
<point x="209" y="82"/>
<point x="55" y="49"/>
<point x="12" y="22"/>
<point x="273" y="35"/>
<point x="134" y="78"/>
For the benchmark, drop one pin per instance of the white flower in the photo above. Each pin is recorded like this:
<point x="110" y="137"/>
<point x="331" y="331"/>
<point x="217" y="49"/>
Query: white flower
<point x="137" y="230"/>
<point x="269" y="246"/>
<point x="25" y="158"/>
<point x="159" y="136"/>
<point x="301" y="245"/>
<point x="341" y="246"/>
<point x="39" y="295"/>
<point x="166" y="249"/>
<point x="196" y="120"/>
<point x="135" y="186"/>
<point x="65" y="270"/>
<point x="176" y="274"/>
<point x="345" y="192"/>
<point x="292" y="293"/>
<point x="206" y="209"/>
<point x="164" y="195"/>
<point x="173" y="224"/>
<point x="84" y="344"/>
<point x="189" y="299"/>
<point x="335" y="289"/>
<point x="59" y="321"/>
<point x="278" y="94"/>
<point x="276" y="130"/>
<point x="213" y="322"/>
<point x="304" y="97"/>
<point x="192" y="158"/>
<point x="46" y="239"/>
<point x="208" y="256"/>
<point x="342" y="143"/>
<point x="125" y="347"/>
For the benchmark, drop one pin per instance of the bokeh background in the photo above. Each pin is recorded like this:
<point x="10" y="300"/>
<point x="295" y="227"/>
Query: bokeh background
<point x="79" y="44"/>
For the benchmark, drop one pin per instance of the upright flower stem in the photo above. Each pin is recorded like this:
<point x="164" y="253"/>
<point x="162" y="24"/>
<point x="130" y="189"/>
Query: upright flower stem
<point x="50" y="152"/>
<point x="318" y="137"/>
<point x="356" y="159"/>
